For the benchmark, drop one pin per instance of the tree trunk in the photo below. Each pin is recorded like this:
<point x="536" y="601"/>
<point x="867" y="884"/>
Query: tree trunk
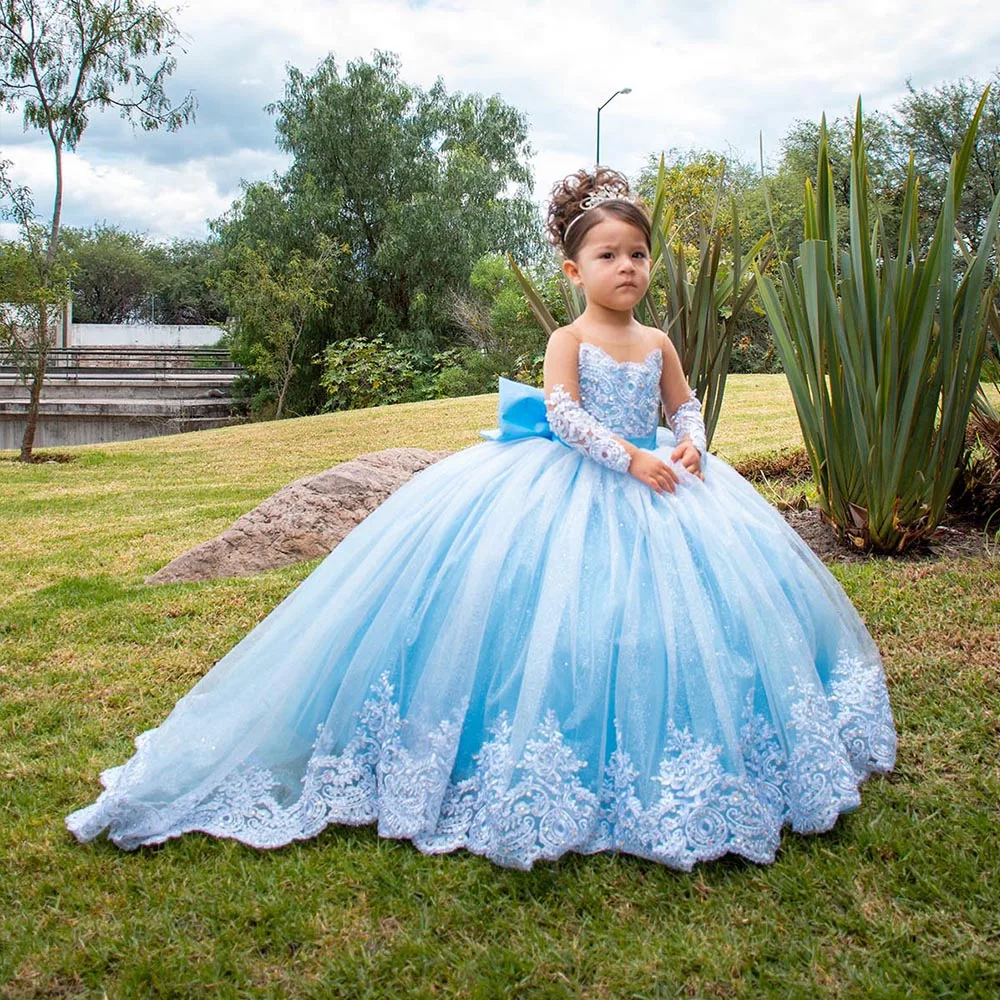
<point x="37" y="378"/>
<point x="289" y="371"/>
<point x="42" y="342"/>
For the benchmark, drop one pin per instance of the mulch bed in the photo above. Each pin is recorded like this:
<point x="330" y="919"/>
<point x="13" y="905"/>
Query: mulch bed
<point x="38" y="458"/>
<point x="957" y="537"/>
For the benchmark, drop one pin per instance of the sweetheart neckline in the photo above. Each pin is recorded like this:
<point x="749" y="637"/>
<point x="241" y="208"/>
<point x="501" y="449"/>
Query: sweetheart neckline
<point x="614" y="360"/>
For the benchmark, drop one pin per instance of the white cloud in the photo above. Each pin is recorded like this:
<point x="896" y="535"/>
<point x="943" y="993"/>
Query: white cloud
<point x="160" y="200"/>
<point x="708" y="76"/>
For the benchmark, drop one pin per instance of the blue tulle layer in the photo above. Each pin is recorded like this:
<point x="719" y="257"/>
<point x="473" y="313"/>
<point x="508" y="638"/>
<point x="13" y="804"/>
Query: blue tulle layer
<point x="524" y="653"/>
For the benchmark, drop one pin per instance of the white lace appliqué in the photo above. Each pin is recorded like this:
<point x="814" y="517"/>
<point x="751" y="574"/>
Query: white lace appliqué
<point x="581" y="430"/>
<point x="623" y="395"/>
<point x="518" y="811"/>
<point x="686" y="421"/>
<point x="616" y="398"/>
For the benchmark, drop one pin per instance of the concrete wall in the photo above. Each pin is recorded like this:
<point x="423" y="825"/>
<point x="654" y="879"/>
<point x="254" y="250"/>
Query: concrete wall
<point x="128" y="335"/>
<point x="97" y="424"/>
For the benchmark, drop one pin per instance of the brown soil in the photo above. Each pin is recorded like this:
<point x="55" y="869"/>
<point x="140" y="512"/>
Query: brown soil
<point x="787" y="471"/>
<point x="955" y="538"/>
<point x="39" y="458"/>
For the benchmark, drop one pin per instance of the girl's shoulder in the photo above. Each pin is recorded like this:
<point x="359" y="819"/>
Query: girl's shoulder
<point x="662" y="340"/>
<point x="656" y="336"/>
<point x="565" y="338"/>
<point x="564" y="335"/>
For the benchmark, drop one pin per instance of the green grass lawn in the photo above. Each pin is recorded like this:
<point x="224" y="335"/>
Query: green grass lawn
<point x="900" y="899"/>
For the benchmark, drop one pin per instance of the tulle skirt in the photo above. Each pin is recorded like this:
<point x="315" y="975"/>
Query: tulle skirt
<point x="523" y="653"/>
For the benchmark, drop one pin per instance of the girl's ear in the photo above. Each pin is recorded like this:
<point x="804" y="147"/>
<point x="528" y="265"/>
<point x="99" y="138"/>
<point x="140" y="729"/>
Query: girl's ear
<point x="572" y="272"/>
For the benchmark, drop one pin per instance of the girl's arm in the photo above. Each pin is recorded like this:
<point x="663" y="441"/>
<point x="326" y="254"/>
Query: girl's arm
<point x="569" y="421"/>
<point x="681" y="404"/>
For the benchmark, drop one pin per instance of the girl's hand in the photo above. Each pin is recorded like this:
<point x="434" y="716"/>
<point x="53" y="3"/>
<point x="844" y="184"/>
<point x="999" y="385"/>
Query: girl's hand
<point x="653" y="471"/>
<point x="689" y="456"/>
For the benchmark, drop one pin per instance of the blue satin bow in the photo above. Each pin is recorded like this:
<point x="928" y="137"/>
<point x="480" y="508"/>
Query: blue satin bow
<point x="521" y="413"/>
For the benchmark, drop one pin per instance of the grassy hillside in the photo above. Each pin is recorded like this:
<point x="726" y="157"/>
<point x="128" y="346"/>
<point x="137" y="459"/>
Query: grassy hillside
<point x="901" y="898"/>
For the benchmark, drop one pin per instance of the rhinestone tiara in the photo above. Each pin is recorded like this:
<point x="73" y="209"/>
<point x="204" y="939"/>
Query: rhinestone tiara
<point x="601" y="194"/>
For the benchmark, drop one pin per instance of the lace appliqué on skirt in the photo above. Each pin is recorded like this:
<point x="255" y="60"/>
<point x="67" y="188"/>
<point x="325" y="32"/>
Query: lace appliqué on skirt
<point x="516" y="812"/>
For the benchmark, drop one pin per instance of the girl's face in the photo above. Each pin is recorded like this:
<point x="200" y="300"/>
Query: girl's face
<point x="612" y="265"/>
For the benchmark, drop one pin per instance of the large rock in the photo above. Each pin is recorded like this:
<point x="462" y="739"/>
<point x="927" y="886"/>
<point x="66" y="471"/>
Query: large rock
<point x="303" y="520"/>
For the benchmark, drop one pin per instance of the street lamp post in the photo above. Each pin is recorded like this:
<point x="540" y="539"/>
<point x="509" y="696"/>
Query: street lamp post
<point x="624" y="90"/>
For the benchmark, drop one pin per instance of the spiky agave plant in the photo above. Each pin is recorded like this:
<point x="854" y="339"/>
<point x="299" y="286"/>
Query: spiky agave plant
<point x="700" y="309"/>
<point x="703" y="306"/>
<point x="882" y="347"/>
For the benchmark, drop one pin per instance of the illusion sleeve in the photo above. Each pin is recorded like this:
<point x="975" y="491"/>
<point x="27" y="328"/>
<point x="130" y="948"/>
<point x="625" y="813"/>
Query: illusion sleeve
<point x="581" y="430"/>
<point x="686" y="421"/>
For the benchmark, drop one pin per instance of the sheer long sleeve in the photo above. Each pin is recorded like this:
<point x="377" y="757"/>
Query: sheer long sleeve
<point x="574" y="426"/>
<point x="686" y="421"/>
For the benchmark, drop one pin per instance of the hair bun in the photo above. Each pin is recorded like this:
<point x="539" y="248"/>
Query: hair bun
<point x="569" y="194"/>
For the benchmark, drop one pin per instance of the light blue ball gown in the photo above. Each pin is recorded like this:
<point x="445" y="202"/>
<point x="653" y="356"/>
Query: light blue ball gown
<point x="523" y="652"/>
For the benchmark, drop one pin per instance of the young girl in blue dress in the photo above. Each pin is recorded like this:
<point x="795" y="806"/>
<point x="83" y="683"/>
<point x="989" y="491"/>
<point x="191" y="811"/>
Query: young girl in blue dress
<point x="583" y="634"/>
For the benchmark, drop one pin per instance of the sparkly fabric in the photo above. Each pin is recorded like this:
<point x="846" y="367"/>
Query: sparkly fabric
<point x="686" y="422"/>
<point x="623" y="395"/>
<point x="521" y="653"/>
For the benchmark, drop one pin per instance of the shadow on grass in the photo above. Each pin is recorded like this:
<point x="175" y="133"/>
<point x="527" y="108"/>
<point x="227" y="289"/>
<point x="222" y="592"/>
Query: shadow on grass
<point x="81" y="592"/>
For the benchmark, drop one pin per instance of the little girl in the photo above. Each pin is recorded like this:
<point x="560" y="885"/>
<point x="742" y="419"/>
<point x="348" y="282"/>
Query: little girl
<point x="582" y="634"/>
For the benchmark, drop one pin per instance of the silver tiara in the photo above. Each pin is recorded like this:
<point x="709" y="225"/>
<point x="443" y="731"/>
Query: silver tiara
<point x="601" y="194"/>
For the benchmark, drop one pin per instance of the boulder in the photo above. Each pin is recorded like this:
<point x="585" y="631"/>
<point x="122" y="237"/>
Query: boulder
<point x="303" y="520"/>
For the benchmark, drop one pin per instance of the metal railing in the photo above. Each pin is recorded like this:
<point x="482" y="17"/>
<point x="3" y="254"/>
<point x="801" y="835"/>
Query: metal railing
<point x="64" y="359"/>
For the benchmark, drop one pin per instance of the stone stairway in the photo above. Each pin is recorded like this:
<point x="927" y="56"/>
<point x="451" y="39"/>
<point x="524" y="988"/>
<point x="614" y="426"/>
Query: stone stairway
<point x="99" y="394"/>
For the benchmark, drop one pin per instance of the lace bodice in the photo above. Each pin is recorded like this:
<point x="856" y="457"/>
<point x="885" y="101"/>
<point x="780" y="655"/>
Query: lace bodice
<point x="622" y="395"/>
<point x="616" y="398"/>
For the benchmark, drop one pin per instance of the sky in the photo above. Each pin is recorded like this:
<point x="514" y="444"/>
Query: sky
<point x="704" y="75"/>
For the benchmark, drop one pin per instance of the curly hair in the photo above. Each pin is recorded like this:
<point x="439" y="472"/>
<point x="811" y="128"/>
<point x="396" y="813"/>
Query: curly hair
<point x="566" y="201"/>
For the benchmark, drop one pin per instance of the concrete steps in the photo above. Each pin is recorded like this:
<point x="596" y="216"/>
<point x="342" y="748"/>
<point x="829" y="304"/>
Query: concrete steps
<point x="99" y="395"/>
<point x="108" y="384"/>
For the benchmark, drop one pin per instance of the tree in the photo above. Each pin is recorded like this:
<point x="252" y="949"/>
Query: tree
<point x="60" y="60"/>
<point x="185" y="289"/>
<point x="419" y="184"/>
<point x="698" y="183"/>
<point x="886" y="167"/>
<point x="30" y="290"/>
<point x="123" y="277"/>
<point x="112" y="276"/>
<point x="933" y="123"/>
<point x="271" y="306"/>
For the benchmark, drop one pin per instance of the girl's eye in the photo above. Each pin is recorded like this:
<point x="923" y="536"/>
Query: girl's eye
<point x="639" y="253"/>
<point x="607" y="253"/>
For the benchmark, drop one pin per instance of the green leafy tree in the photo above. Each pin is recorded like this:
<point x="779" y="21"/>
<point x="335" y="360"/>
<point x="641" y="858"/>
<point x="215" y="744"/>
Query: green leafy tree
<point x="933" y="124"/>
<point x="886" y="170"/>
<point x="419" y="184"/>
<point x="699" y="185"/>
<point x="710" y="192"/>
<point x="32" y="288"/>
<point x="270" y="307"/>
<point x="493" y="314"/>
<point x="113" y="273"/>
<point x="61" y="60"/>
<point x="185" y="289"/>
<point x="124" y="277"/>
